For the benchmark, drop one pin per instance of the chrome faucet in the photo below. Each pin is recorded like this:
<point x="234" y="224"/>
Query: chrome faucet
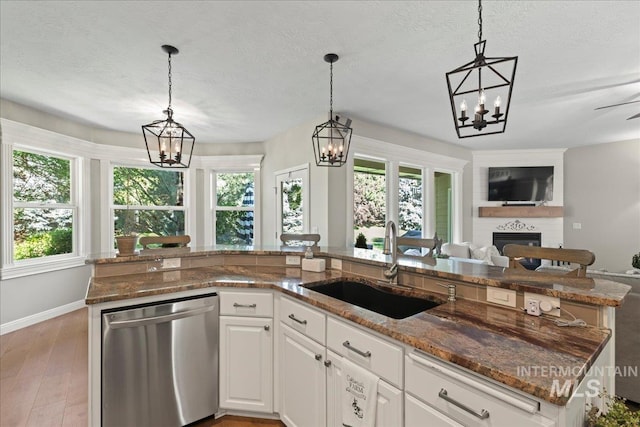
<point x="391" y="248"/>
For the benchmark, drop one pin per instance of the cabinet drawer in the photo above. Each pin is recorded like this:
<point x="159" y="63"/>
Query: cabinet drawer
<point x="466" y="399"/>
<point x="303" y="319"/>
<point x="379" y="356"/>
<point x="254" y="304"/>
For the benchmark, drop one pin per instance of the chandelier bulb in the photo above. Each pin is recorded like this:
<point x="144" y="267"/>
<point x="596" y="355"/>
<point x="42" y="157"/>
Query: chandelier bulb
<point x="483" y="97"/>
<point x="497" y="102"/>
<point x="463" y="106"/>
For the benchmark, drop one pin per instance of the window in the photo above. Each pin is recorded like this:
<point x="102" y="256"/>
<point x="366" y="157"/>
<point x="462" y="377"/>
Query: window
<point x="443" y="208"/>
<point x="149" y="202"/>
<point x="44" y="205"/>
<point x="234" y="208"/>
<point x="410" y="211"/>
<point x="369" y="201"/>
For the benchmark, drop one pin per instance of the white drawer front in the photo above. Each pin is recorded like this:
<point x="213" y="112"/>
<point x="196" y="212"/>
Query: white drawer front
<point x="303" y="319"/>
<point x="451" y="390"/>
<point x="254" y="304"/>
<point x="379" y="356"/>
<point x="419" y="414"/>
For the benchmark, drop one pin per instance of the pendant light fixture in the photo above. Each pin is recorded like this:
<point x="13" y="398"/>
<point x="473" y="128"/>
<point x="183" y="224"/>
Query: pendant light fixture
<point x="331" y="139"/>
<point x="169" y="144"/>
<point x="478" y="81"/>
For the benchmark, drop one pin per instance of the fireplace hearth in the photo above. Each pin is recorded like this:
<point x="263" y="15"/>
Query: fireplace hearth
<point x="527" y="239"/>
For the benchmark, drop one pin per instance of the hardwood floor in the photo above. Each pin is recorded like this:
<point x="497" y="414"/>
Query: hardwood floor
<point x="43" y="377"/>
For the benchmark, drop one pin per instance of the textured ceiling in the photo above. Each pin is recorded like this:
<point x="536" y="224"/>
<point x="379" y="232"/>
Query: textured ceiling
<point x="250" y="70"/>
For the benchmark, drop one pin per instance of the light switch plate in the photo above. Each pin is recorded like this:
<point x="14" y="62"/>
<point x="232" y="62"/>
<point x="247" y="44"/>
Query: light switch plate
<point x="293" y="260"/>
<point x="171" y="263"/>
<point x="505" y="297"/>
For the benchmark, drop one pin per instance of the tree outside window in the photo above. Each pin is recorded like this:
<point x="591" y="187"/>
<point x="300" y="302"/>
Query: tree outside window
<point x="43" y="205"/>
<point x="234" y="210"/>
<point x="149" y="202"/>
<point x="369" y="201"/>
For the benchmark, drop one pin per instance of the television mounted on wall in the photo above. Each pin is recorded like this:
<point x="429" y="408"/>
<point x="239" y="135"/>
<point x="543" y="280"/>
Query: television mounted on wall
<point x="521" y="184"/>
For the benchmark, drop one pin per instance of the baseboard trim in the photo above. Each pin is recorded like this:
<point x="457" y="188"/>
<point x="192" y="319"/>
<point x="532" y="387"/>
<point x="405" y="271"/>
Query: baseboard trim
<point x="14" y="325"/>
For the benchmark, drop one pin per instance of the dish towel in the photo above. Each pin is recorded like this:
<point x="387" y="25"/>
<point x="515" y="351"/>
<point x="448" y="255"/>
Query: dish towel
<point x="359" y="395"/>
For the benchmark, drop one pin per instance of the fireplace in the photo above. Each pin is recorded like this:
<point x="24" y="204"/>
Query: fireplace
<point x="530" y="239"/>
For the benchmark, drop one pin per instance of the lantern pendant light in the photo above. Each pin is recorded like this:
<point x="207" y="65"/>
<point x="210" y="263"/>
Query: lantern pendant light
<point x="481" y="79"/>
<point x="169" y="144"/>
<point x="331" y="139"/>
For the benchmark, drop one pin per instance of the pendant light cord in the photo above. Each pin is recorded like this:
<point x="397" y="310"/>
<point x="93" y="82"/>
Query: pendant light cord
<point x="331" y="91"/>
<point x="169" y="108"/>
<point x="479" y="20"/>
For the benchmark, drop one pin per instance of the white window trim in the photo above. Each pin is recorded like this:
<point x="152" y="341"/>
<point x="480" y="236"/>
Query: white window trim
<point x="393" y="156"/>
<point x="18" y="136"/>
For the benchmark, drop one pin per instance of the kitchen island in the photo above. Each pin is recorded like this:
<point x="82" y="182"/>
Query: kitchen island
<point x="530" y="355"/>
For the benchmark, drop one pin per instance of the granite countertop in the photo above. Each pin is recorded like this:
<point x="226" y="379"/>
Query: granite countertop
<point x="586" y="290"/>
<point x="493" y="341"/>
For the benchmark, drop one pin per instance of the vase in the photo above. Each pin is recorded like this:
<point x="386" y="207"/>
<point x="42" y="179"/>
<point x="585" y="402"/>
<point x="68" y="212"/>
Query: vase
<point x="126" y="245"/>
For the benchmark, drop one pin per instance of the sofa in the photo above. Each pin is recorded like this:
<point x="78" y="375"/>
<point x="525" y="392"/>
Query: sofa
<point x="469" y="252"/>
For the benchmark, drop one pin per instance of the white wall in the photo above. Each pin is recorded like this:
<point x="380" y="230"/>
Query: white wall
<point x="602" y="194"/>
<point x="29" y="295"/>
<point x="483" y="228"/>
<point x="286" y="150"/>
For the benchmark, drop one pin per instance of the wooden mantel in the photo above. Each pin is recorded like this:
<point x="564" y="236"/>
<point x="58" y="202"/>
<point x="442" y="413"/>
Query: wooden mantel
<point x="520" y="211"/>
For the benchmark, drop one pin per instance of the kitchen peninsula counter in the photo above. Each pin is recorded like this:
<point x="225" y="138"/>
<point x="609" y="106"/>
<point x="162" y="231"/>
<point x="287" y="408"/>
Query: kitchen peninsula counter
<point x="496" y="342"/>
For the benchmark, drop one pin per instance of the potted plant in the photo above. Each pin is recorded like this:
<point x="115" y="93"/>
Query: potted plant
<point x="127" y="240"/>
<point x="361" y="241"/>
<point x="635" y="261"/>
<point x="617" y="413"/>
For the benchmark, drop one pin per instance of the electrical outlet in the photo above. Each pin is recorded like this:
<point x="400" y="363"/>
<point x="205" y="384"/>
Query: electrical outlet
<point x="546" y="304"/>
<point x="533" y="307"/>
<point x="293" y="260"/>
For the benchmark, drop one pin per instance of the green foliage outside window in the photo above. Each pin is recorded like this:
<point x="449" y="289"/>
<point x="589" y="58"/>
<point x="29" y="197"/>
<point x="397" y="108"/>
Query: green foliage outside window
<point x="148" y="188"/>
<point x="41" y="179"/>
<point x="233" y="190"/>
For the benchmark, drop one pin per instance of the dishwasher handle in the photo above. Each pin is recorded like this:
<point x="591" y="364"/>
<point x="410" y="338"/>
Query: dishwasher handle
<point x="157" y="319"/>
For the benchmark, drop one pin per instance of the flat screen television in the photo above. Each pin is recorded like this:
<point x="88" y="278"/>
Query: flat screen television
<point x="521" y="184"/>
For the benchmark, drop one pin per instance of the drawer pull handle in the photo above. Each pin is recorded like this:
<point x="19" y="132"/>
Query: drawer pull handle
<point x="236" y="305"/>
<point x="360" y="352"/>
<point x="295" y="319"/>
<point x="483" y="414"/>
<point x="267" y="327"/>
<point x="318" y="357"/>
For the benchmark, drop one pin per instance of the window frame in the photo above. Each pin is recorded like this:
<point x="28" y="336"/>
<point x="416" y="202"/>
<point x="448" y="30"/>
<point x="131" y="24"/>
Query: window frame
<point x="213" y="216"/>
<point x="109" y="243"/>
<point x="21" y="137"/>
<point x="394" y="156"/>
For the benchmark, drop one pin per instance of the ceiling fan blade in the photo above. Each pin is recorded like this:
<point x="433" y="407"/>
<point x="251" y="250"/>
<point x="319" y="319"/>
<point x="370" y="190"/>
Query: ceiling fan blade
<point x="617" y="105"/>
<point x="635" y="116"/>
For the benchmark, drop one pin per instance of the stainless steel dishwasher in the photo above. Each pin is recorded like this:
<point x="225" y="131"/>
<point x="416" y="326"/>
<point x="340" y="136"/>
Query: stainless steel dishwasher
<point x="160" y="363"/>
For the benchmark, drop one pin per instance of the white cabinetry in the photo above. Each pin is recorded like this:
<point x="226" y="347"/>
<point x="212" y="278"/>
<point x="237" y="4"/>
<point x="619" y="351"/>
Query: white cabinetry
<point x="303" y="385"/>
<point x="246" y="351"/>
<point x="389" y="407"/>
<point x="311" y="375"/>
<point x="461" y="397"/>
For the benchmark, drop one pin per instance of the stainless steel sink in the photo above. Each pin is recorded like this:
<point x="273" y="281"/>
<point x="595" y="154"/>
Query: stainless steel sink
<point x="372" y="298"/>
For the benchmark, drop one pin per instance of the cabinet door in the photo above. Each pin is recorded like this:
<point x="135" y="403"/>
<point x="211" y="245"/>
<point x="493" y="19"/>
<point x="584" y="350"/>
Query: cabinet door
<point x="389" y="405"/>
<point x="303" y="382"/>
<point x="419" y="414"/>
<point x="246" y="363"/>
